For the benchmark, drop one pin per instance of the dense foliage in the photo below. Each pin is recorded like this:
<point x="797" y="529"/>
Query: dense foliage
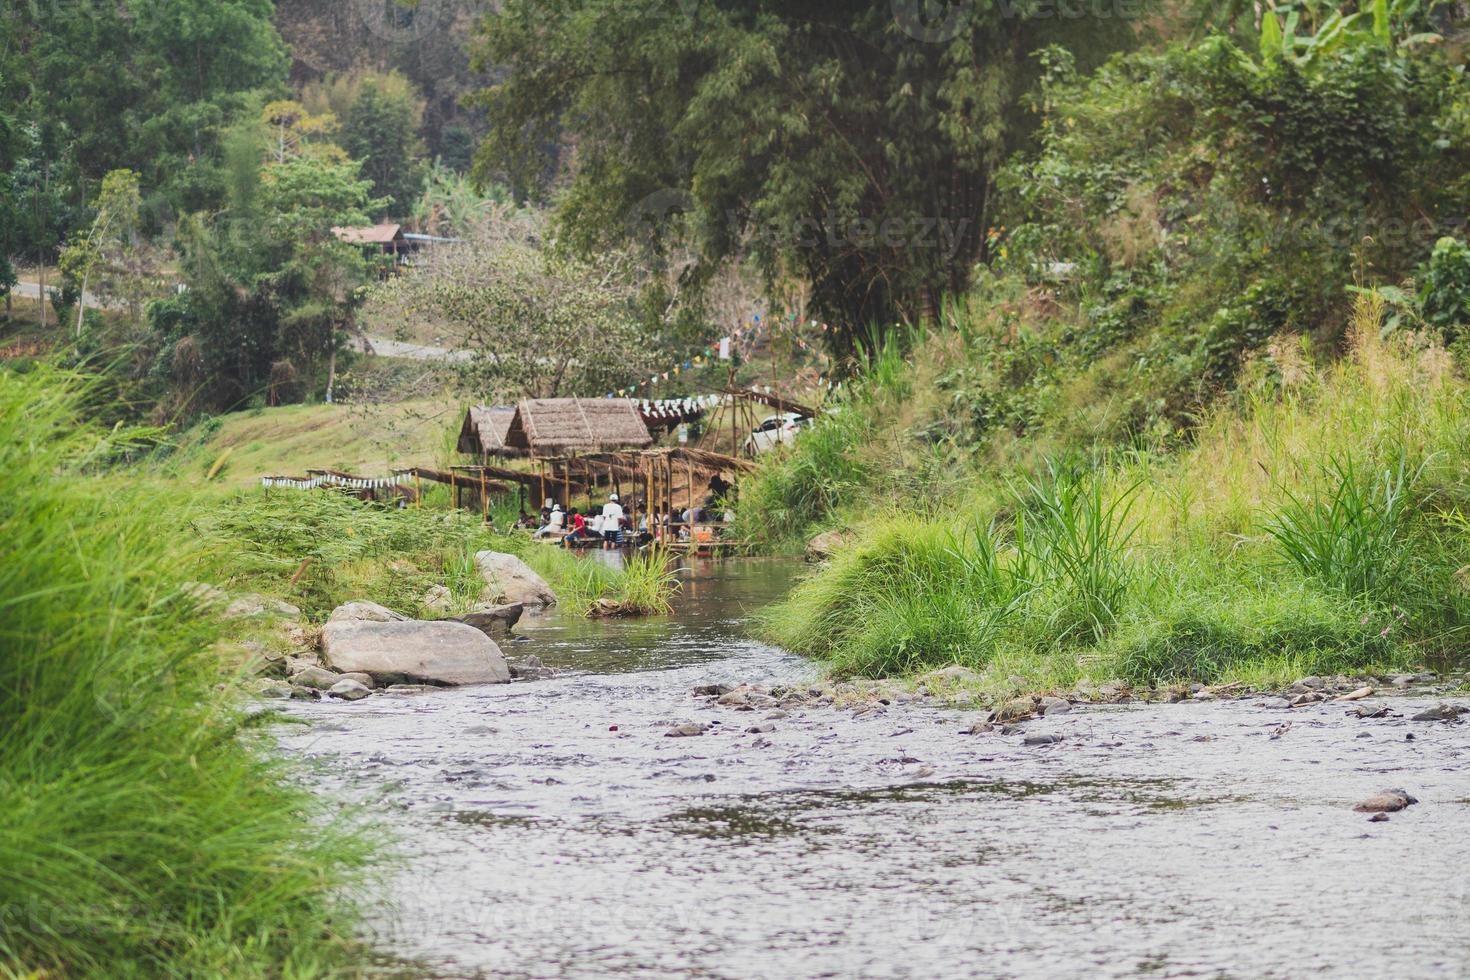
<point x="852" y="145"/>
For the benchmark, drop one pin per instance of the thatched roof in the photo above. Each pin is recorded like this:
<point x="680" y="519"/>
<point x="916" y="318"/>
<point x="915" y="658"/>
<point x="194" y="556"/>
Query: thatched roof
<point x="558" y="426"/>
<point x="484" y="430"/>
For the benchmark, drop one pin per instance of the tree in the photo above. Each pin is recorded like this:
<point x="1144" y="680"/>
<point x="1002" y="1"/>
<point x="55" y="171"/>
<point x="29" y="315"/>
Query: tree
<point x="851" y="143"/>
<point x="113" y="259"/>
<point x="539" y="324"/>
<point x="382" y="131"/>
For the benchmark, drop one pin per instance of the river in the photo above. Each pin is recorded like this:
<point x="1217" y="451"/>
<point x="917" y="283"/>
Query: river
<point x="552" y="829"/>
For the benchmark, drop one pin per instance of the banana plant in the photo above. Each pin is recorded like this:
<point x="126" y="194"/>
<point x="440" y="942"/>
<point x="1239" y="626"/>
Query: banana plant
<point x="1335" y="29"/>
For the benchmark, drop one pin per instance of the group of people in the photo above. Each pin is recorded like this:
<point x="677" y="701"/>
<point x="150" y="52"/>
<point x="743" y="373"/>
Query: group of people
<point x="611" y="526"/>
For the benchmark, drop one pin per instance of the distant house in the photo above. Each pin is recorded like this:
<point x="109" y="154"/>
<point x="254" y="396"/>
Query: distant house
<point x="390" y="239"/>
<point x="385" y="238"/>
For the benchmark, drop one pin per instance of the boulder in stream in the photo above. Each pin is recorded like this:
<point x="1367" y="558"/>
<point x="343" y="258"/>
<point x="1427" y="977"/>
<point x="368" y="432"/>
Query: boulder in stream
<point x="424" y="652"/>
<point x="508" y="580"/>
<point x="1388" y="801"/>
<point x="493" y="621"/>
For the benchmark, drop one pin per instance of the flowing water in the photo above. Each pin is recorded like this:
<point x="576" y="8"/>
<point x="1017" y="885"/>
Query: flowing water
<point x="552" y="829"/>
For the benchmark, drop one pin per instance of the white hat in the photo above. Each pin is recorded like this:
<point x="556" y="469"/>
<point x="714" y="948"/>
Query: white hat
<point x="613" y="497"/>
<point x="556" y="508"/>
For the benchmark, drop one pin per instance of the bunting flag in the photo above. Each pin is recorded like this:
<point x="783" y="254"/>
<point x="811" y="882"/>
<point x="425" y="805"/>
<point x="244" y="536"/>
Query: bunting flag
<point x="327" y="480"/>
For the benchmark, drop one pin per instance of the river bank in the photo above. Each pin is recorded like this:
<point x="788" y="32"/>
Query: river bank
<point x="555" y="827"/>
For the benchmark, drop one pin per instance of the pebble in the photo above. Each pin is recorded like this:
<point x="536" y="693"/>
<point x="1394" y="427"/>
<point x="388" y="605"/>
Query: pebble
<point x="1378" y="818"/>
<point x="762" y="729"/>
<point x="1388" y="801"/>
<point x="1041" y="739"/>
<point x="686" y="730"/>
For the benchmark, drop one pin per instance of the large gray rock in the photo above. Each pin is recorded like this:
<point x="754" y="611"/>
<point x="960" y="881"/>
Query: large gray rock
<point x="316" y="678"/>
<point x="362" y="611"/>
<point x="493" y="620"/>
<point x="423" y="652"/>
<point x="508" y="579"/>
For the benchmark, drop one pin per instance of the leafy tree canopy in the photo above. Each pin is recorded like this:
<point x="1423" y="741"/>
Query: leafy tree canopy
<point x="854" y="143"/>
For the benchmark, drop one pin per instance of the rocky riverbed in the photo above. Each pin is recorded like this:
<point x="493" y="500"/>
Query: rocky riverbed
<point x="684" y="801"/>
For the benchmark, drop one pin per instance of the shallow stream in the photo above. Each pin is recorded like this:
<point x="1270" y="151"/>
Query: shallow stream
<point x="554" y="830"/>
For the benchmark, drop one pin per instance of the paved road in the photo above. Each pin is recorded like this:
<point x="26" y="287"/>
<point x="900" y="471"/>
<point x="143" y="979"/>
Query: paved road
<point x="380" y="346"/>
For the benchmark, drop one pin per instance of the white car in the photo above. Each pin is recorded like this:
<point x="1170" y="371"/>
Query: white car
<point x="774" y="431"/>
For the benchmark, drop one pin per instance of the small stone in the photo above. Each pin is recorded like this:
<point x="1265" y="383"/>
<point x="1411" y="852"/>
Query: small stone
<point x="1440" y="712"/>
<point x="1018" y="709"/>
<point x="1055" y="706"/>
<point x="1388" y="801"/>
<point x="438" y="598"/>
<point x="979" y="728"/>
<point x="531" y="669"/>
<point x="349" y="691"/>
<point x="687" y="730"/>
<point x="273" y="690"/>
<point x="776" y="715"/>
<point x="1378" y="818"/>
<point x="317" y="678"/>
<point x="1041" y="740"/>
<point x="366" y="680"/>
<point x="713" y="690"/>
<point x="761" y="729"/>
<point x="1314" y="682"/>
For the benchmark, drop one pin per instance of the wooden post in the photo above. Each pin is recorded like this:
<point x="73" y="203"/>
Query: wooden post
<point x="690" y="490"/>
<point x="566" y="482"/>
<point x="733" y="415"/>
<point x="484" y="498"/>
<point x="541" y="466"/>
<point x="454" y="500"/>
<point x="418" y="491"/>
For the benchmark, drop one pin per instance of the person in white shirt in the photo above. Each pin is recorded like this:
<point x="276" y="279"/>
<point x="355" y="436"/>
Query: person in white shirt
<point x="554" y="525"/>
<point x="612" y="522"/>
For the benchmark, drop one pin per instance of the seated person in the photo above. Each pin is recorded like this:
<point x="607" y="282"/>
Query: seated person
<point x="554" y="525"/>
<point x="578" y="534"/>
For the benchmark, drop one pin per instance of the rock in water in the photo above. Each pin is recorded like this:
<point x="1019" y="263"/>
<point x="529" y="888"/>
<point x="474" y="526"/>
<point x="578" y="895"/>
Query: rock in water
<point x="1440" y="712"/>
<point x="1018" y="709"/>
<point x="1041" y="739"/>
<point x="349" y="690"/>
<point x="1389" y="801"/>
<point x="493" y="621"/>
<point x="508" y="579"/>
<point x="1055" y="706"/>
<point x="435" y="653"/>
<point x="531" y="669"/>
<point x="316" y="678"/>
<point x="363" y="611"/>
<point x="273" y="689"/>
<point x="686" y="730"/>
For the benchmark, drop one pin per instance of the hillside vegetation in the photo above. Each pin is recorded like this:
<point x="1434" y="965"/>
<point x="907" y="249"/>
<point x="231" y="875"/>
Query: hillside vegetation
<point x="1203" y="416"/>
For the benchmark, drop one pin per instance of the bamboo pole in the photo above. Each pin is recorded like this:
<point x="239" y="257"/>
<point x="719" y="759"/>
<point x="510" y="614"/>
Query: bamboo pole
<point x="541" y="466"/>
<point x="484" y="499"/>
<point x="454" y="501"/>
<point x="566" y="482"/>
<point x="689" y="492"/>
<point x="418" y="491"/>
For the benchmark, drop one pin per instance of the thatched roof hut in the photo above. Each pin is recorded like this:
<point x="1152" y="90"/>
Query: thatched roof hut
<point x="547" y="427"/>
<point x="484" y="430"/>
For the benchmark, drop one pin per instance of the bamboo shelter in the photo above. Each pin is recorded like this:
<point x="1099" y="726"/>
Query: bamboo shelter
<point x="484" y="430"/>
<point x="550" y="428"/>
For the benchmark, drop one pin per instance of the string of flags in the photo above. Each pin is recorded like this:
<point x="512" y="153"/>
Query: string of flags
<point x="327" y="480"/>
<point x="725" y="348"/>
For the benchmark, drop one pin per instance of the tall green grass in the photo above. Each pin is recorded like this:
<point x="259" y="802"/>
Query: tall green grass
<point x="145" y="829"/>
<point x="1316" y="528"/>
<point x="643" y="585"/>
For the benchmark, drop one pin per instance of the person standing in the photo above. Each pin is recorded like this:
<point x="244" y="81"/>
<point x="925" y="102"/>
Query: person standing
<point x="612" y="522"/>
